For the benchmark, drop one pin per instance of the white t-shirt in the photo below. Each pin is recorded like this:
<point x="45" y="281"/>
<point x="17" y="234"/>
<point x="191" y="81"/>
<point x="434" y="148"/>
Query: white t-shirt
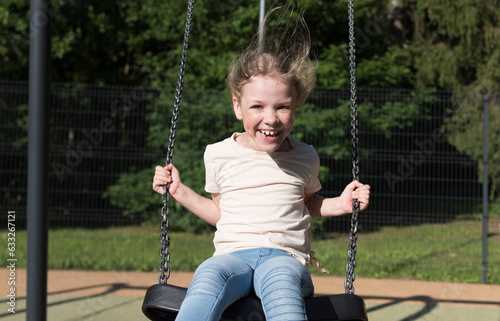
<point x="262" y="196"/>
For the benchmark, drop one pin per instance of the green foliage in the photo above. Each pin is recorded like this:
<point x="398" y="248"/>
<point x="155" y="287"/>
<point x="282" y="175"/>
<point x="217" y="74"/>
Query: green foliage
<point x="453" y="42"/>
<point x="132" y="192"/>
<point x="315" y="123"/>
<point x="456" y="46"/>
<point x="465" y="131"/>
<point x="333" y="68"/>
<point x="392" y="69"/>
<point x="448" y="41"/>
<point x="139" y="43"/>
<point x="14" y="33"/>
<point x="22" y="125"/>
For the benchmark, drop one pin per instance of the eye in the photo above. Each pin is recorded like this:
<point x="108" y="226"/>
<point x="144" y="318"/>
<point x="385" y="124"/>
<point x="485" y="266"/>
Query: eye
<point x="284" y="107"/>
<point x="256" y="107"/>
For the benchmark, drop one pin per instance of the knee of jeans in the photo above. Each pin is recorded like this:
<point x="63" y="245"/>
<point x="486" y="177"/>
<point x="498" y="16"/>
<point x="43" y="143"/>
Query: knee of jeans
<point x="209" y="279"/>
<point x="284" y="275"/>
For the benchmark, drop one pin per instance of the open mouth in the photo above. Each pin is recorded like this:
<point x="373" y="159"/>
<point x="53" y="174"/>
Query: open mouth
<point x="270" y="133"/>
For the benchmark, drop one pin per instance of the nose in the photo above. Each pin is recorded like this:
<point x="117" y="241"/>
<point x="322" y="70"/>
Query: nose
<point x="271" y="116"/>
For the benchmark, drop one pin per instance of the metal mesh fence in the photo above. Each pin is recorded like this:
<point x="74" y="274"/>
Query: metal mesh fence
<point x="99" y="133"/>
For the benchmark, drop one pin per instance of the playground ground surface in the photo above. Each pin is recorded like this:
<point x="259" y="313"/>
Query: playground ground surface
<point x="116" y="295"/>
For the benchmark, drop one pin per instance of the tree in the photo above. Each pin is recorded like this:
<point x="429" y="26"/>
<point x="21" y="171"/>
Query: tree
<point x="14" y="39"/>
<point x="138" y="43"/>
<point x="456" y="46"/>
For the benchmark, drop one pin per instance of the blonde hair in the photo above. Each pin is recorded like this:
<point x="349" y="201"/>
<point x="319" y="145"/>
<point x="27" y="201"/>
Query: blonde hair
<point x="284" y="55"/>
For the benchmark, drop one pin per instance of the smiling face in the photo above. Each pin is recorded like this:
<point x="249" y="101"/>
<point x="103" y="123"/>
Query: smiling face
<point x="267" y="108"/>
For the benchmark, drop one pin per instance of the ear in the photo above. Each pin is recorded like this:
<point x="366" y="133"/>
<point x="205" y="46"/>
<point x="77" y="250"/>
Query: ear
<point x="237" y="108"/>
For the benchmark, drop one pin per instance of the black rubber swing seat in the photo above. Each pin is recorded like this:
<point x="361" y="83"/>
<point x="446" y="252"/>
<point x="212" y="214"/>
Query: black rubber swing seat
<point x="162" y="303"/>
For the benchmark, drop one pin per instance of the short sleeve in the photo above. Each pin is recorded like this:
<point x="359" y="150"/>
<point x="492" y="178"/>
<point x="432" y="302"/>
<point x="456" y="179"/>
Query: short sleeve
<point x="211" y="185"/>
<point x="314" y="184"/>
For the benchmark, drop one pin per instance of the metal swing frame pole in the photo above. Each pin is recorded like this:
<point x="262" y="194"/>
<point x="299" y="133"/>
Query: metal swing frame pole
<point x="38" y="146"/>
<point x="262" y="14"/>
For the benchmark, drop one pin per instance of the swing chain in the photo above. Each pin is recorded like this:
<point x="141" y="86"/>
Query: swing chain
<point x="165" y="210"/>
<point x="353" y="234"/>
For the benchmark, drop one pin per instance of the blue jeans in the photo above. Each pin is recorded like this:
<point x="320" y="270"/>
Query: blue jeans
<point x="277" y="278"/>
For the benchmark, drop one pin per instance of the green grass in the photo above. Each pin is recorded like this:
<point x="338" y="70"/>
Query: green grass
<point x="445" y="252"/>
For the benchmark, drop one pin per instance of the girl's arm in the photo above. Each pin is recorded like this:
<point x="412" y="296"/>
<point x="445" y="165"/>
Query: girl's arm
<point x="320" y="206"/>
<point x="205" y="208"/>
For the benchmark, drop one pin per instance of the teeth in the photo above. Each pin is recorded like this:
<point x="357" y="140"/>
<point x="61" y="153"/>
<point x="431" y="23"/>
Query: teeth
<point x="269" y="132"/>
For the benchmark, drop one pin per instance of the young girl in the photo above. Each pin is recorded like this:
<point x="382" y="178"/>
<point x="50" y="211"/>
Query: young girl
<point x="263" y="185"/>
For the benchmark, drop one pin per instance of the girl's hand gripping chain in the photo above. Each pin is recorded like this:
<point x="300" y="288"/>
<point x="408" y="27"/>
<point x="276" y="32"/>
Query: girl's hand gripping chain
<point x="165" y="175"/>
<point x="355" y="190"/>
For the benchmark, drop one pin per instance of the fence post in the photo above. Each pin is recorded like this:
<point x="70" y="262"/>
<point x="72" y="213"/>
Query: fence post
<point x="485" y="187"/>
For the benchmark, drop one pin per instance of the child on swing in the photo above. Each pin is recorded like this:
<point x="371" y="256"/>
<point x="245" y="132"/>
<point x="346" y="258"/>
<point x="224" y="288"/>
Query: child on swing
<point x="263" y="185"/>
